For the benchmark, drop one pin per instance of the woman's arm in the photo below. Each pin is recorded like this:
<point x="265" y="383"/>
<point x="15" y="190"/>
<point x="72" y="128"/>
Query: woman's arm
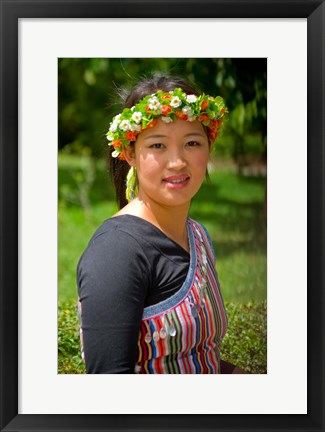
<point x="113" y="279"/>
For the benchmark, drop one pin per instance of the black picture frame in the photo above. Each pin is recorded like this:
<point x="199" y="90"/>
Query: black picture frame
<point x="11" y="12"/>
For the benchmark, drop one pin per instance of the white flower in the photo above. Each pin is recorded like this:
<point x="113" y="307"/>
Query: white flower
<point x="109" y="137"/>
<point x="113" y="127"/>
<point x="191" y="98"/>
<point x="125" y="125"/>
<point x="175" y="102"/>
<point x="166" y="119"/>
<point x="187" y="110"/>
<point x="135" y="127"/>
<point x="115" y="154"/>
<point x="137" y="116"/>
<point x="191" y="118"/>
<point x="132" y="108"/>
<point x="115" y="122"/>
<point x="154" y="103"/>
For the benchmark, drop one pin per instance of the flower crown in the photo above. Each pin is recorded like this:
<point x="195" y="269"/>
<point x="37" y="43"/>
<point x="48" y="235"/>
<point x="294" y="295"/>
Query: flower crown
<point x="167" y="106"/>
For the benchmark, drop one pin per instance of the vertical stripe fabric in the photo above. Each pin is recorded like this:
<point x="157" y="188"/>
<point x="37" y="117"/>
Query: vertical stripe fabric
<point x="182" y="334"/>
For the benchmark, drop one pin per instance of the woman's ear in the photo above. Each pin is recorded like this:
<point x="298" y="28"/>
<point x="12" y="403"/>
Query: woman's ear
<point x="129" y="154"/>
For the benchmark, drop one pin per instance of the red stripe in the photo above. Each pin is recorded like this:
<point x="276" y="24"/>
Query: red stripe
<point x="212" y="334"/>
<point x="186" y="348"/>
<point x="202" y="333"/>
<point x="160" y="347"/>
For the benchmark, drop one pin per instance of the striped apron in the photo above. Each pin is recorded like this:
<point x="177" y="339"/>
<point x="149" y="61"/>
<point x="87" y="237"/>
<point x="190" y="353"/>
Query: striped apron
<point x="182" y="334"/>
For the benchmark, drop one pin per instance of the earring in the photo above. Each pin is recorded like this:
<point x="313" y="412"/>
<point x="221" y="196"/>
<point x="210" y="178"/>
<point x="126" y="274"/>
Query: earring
<point x="132" y="186"/>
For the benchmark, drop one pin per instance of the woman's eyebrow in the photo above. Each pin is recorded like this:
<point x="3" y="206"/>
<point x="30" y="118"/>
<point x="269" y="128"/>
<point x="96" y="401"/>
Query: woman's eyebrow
<point x="156" y="136"/>
<point x="166" y="136"/>
<point x="195" y="134"/>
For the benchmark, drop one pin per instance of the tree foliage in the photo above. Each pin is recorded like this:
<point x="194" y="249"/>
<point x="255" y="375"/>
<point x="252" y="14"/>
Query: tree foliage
<point x="89" y="89"/>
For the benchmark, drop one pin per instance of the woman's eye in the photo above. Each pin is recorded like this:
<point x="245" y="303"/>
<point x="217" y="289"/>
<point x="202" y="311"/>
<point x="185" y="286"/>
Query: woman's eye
<point x="157" y="146"/>
<point x="192" y="143"/>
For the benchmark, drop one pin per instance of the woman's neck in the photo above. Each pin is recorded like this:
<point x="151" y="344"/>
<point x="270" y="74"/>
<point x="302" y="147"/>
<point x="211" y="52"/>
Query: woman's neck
<point x="170" y="220"/>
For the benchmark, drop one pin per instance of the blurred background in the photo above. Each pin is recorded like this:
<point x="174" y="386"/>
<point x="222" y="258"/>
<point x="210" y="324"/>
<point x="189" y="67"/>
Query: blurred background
<point x="232" y="205"/>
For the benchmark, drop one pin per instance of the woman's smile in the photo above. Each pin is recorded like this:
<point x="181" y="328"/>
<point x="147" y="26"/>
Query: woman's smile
<point x="177" y="181"/>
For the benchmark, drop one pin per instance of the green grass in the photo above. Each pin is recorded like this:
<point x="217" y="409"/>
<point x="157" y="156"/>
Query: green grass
<point x="244" y="344"/>
<point x="69" y="355"/>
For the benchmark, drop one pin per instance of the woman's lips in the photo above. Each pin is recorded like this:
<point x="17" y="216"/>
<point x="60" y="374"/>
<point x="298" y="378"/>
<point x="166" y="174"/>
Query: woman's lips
<point x="176" y="182"/>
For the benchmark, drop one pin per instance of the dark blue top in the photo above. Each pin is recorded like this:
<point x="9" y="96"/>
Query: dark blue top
<point x="129" y="264"/>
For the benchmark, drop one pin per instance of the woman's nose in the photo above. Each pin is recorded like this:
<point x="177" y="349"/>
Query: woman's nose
<point x="176" y="160"/>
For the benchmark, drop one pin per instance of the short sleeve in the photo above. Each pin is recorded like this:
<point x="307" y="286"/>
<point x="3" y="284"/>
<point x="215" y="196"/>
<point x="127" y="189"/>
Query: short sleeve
<point x="113" y="279"/>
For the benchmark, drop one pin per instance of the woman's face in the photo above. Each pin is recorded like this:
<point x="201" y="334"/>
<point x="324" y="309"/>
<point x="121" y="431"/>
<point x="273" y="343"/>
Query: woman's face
<point x="171" y="161"/>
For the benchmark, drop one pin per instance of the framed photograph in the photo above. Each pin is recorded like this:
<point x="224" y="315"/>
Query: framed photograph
<point x="290" y="34"/>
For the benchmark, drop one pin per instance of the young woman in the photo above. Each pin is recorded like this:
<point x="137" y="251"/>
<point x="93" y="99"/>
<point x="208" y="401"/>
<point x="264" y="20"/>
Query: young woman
<point x="149" y="295"/>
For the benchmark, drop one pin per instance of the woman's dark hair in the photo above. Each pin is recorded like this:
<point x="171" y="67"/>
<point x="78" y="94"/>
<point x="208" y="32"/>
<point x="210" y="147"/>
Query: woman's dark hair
<point x="119" y="168"/>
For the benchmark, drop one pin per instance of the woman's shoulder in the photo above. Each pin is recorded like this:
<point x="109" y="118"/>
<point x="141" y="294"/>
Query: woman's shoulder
<point x="114" y="243"/>
<point x="120" y="231"/>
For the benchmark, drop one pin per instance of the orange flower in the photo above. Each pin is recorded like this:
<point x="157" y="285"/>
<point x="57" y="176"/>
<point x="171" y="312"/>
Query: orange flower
<point x="219" y="123"/>
<point x="147" y="108"/>
<point x="181" y="115"/>
<point x="213" y="135"/>
<point x="131" y="136"/>
<point x="152" y="123"/>
<point x="121" y="156"/>
<point x="204" y="105"/>
<point x="117" y="144"/>
<point x="204" y="117"/>
<point x="215" y="124"/>
<point x="166" y="97"/>
<point x="165" y="109"/>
